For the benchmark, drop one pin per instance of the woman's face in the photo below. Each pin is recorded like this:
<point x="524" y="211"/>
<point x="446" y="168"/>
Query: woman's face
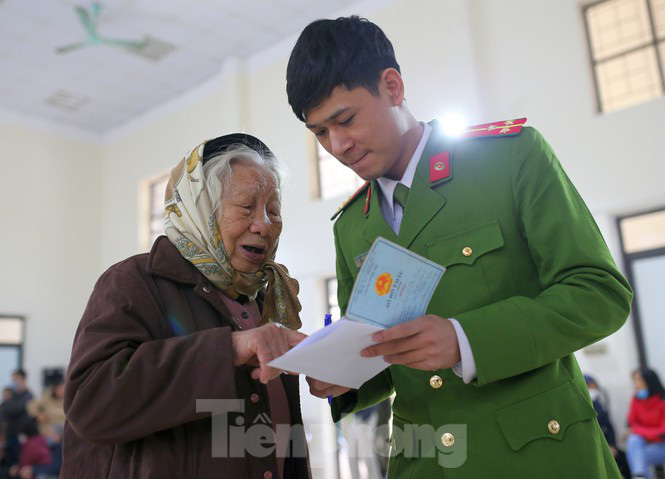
<point x="251" y="222"/>
<point x="638" y="382"/>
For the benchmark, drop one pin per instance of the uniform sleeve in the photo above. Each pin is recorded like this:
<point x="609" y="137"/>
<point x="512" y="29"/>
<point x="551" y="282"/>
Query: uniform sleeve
<point x="583" y="296"/>
<point x="380" y="386"/>
<point x="122" y="384"/>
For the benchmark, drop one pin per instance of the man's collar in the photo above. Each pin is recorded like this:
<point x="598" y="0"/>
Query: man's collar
<point x="388" y="185"/>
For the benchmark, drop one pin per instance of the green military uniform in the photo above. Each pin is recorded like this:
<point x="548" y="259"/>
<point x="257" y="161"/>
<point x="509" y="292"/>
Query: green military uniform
<point x="530" y="280"/>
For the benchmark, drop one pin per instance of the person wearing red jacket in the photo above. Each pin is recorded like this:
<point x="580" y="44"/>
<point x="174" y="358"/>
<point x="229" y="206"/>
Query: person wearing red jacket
<point x="34" y="450"/>
<point x="646" y="419"/>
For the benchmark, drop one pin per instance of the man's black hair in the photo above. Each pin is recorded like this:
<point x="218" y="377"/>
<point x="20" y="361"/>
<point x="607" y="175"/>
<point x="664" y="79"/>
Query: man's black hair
<point x="20" y="372"/>
<point x="350" y="52"/>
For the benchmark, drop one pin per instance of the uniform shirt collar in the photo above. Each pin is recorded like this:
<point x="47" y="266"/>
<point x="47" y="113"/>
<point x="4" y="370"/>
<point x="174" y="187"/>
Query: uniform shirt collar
<point x="387" y="185"/>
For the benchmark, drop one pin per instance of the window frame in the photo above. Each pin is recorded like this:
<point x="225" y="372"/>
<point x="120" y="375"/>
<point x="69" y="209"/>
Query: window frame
<point x="20" y="344"/>
<point x="654" y="42"/>
<point x="628" y="259"/>
<point x="145" y="208"/>
<point x="316" y="182"/>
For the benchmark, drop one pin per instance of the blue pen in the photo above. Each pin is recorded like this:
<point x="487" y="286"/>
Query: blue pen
<point x="327" y="321"/>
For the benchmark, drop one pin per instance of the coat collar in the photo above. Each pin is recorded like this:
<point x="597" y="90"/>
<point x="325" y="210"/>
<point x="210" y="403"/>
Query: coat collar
<point x="425" y="198"/>
<point x="164" y="260"/>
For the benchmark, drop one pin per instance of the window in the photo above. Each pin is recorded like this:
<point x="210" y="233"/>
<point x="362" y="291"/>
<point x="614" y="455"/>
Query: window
<point x="627" y="46"/>
<point x="332" y="178"/>
<point x="151" y="216"/>
<point x="11" y="345"/>
<point x="643" y="242"/>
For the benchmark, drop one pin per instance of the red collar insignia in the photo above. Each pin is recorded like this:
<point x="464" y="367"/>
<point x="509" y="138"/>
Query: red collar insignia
<point x="439" y="167"/>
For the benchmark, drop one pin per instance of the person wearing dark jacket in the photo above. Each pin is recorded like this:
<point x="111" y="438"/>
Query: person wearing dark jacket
<point x="188" y="329"/>
<point x="601" y="405"/>
<point x="13" y="412"/>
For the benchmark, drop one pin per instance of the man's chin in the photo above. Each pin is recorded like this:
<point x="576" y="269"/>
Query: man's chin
<point x="367" y="175"/>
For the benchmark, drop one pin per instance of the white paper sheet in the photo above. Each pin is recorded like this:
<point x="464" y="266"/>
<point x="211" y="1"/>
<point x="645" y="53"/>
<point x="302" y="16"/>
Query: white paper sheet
<point x="332" y="354"/>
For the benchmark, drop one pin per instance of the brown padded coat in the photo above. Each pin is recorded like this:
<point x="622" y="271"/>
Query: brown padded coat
<point x="154" y="338"/>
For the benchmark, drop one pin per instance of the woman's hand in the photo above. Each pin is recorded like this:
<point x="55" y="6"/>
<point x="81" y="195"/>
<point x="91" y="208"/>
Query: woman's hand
<point x="261" y="345"/>
<point x="25" y="472"/>
<point x="322" y="389"/>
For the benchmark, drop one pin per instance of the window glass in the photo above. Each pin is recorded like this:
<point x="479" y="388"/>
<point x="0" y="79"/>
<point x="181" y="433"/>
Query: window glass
<point x="618" y="26"/>
<point x="629" y="79"/>
<point x="11" y="330"/>
<point x="334" y="178"/>
<point x="644" y="232"/>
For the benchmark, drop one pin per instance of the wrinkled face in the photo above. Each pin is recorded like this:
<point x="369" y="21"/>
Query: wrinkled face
<point x="250" y="223"/>
<point x="638" y="382"/>
<point x="363" y="131"/>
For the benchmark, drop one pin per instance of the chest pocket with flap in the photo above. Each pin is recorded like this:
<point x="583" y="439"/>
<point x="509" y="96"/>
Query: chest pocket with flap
<point x="466" y="246"/>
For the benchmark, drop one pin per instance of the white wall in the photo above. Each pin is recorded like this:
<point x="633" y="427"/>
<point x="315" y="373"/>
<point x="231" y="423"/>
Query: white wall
<point x="50" y="239"/>
<point x="154" y="144"/>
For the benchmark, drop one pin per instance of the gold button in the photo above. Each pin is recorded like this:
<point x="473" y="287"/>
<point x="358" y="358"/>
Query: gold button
<point x="448" y="439"/>
<point x="554" y="427"/>
<point x="467" y="251"/>
<point x="435" y="381"/>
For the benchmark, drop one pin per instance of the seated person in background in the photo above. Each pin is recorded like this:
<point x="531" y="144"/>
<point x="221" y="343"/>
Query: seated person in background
<point x="191" y="320"/>
<point x="34" y="450"/>
<point x="601" y="405"/>
<point x="49" y="409"/>
<point x="646" y="419"/>
<point x="52" y="469"/>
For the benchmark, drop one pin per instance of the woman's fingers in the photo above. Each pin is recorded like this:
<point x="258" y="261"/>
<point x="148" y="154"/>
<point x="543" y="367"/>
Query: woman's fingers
<point x="294" y="338"/>
<point x="261" y="345"/>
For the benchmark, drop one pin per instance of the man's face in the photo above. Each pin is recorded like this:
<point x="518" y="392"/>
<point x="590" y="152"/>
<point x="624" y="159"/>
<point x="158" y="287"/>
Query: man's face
<point x="363" y="131"/>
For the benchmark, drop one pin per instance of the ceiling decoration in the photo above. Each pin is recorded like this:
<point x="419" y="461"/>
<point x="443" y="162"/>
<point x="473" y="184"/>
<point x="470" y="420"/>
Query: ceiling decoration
<point x="97" y="65"/>
<point x="89" y="21"/>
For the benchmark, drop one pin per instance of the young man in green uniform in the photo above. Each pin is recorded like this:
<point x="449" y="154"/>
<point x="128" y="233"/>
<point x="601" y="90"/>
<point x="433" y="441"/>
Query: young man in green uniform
<point x="490" y="369"/>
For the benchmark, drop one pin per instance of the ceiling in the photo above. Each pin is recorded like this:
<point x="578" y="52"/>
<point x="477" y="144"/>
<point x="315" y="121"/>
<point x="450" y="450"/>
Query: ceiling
<point x="178" y="45"/>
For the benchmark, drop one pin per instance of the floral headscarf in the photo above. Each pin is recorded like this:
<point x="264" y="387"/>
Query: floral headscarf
<point x="192" y="227"/>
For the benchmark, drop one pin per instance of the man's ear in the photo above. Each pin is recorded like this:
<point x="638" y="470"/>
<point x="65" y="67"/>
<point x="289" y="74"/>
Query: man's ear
<point x="392" y="84"/>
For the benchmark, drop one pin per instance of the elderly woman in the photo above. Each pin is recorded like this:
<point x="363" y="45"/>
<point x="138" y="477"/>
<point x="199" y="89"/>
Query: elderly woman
<point x="171" y="336"/>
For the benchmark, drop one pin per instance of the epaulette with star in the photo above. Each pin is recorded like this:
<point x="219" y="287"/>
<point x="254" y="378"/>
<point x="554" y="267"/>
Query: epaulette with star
<point x="495" y="129"/>
<point x="440" y="165"/>
<point x="352" y="198"/>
